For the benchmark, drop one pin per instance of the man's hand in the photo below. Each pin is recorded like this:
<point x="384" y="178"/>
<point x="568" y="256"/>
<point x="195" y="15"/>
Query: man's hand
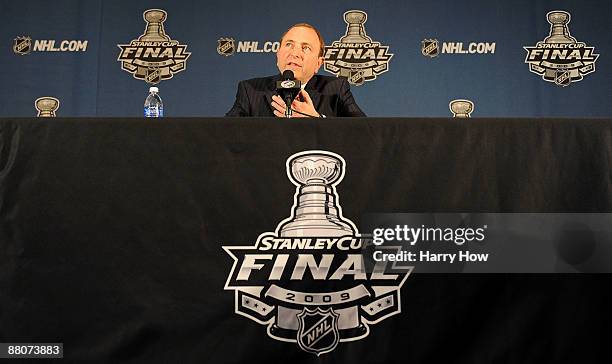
<point x="306" y="106"/>
<point x="278" y="106"/>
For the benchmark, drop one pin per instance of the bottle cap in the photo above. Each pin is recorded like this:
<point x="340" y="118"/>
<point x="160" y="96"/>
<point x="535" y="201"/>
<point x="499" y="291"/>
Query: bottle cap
<point x="153" y="89"/>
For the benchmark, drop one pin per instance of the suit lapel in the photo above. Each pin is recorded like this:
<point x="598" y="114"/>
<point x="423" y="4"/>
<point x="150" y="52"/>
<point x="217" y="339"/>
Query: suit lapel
<point x="270" y="91"/>
<point x="312" y="91"/>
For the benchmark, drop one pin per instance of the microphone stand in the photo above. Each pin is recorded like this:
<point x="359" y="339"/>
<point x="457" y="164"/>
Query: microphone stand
<point x="288" y="110"/>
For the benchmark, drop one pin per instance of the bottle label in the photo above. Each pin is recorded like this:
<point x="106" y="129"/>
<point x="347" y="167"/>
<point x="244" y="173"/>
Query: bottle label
<point x="153" y="111"/>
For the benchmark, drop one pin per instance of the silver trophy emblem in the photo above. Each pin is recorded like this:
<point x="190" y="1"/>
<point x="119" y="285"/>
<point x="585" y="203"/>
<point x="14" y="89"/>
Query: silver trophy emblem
<point x="154" y="32"/>
<point x="46" y="106"/>
<point x="355" y="32"/>
<point x="316" y="211"/>
<point x="318" y="292"/>
<point x="461" y="108"/>
<point x="559" y="32"/>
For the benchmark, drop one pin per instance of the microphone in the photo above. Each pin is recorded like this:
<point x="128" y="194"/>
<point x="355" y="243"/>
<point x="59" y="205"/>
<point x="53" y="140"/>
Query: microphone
<point x="288" y="88"/>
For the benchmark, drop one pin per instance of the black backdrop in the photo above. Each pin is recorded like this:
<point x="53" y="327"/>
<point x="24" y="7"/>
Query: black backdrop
<point x="111" y="233"/>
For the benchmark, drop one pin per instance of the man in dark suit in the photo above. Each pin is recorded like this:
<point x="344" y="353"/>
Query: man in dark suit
<point x="301" y="51"/>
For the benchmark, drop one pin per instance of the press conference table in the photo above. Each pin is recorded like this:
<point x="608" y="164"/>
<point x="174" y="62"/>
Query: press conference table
<point x="111" y="232"/>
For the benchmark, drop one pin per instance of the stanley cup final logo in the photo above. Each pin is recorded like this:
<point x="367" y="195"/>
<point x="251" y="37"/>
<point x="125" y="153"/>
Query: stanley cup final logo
<point x="560" y="58"/>
<point x="308" y="281"/>
<point x="356" y="56"/>
<point x="153" y="57"/>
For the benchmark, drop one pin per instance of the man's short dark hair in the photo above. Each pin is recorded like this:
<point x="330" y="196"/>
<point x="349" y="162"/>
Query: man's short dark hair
<point x="306" y="25"/>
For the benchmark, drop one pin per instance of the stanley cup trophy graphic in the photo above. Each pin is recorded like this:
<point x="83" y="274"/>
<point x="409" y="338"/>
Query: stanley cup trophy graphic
<point x="316" y="210"/>
<point x="316" y="213"/>
<point x="559" y="32"/>
<point x="154" y="32"/>
<point x="461" y="108"/>
<point x="355" y="32"/>
<point x="46" y="106"/>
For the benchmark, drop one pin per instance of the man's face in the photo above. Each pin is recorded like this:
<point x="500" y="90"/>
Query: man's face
<point x="299" y="52"/>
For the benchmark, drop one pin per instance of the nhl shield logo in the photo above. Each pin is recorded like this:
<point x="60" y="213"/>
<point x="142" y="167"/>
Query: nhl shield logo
<point x="429" y="48"/>
<point x="226" y="47"/>
<point x="153" y="75"/>
<point x="318" y="330"/>
<point x="356" y="77"/>
<point x="22" y="45"/>
<point x="563" y="77"/>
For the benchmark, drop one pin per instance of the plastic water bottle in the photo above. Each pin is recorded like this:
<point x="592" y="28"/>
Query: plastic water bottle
<point x="153" y="106"/>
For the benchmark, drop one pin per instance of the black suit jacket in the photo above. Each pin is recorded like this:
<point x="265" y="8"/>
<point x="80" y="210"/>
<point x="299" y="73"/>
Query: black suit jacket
<point x="331" y="96"/>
